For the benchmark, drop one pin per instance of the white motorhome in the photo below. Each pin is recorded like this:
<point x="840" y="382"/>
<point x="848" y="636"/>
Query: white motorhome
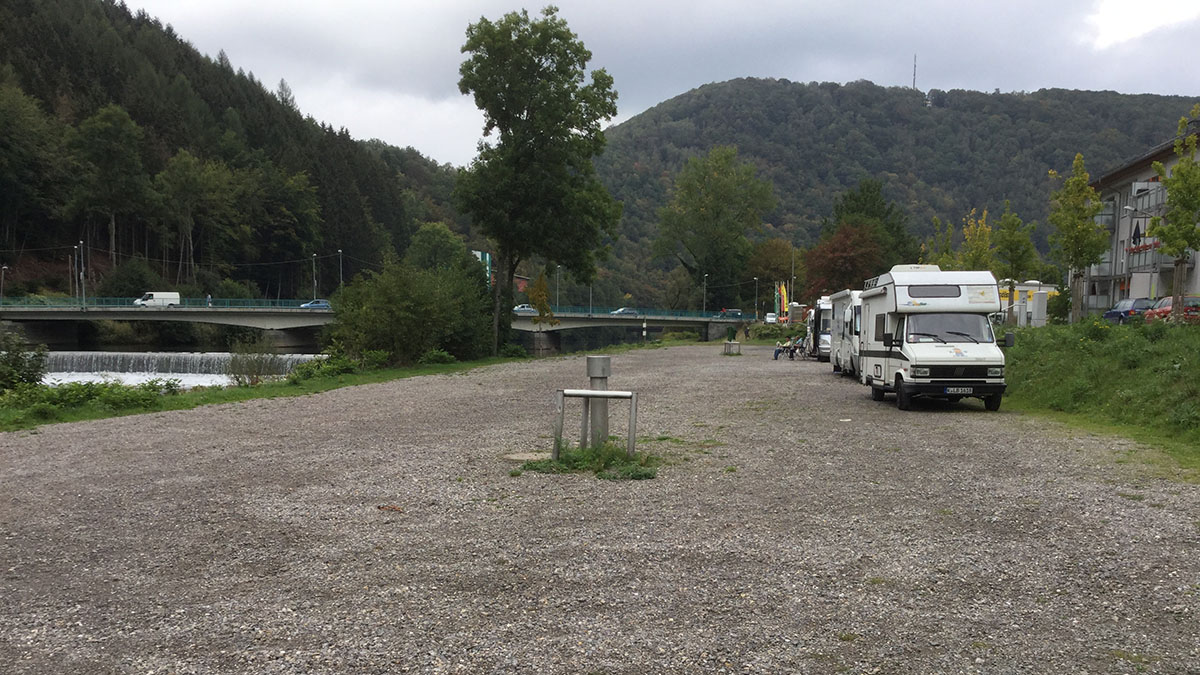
<point x="925" y="332"/>
<point x="816" y="339"/>
<point x="158" y="299"/>
<point x="844" y="332"/>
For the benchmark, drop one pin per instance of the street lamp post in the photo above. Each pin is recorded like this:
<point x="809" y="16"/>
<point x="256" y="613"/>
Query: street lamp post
<point x="3" y="271"/>
<point x="82" y="277"/>
<point x="340" y="268"/>
<point x="314" y="276"/>
<point x="557" y="284"/>
<point x="756" y="298"/>
<point x="704" y="296"/>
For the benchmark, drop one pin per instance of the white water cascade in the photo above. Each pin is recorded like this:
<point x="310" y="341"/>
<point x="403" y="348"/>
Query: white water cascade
<point x="190" y="368"/>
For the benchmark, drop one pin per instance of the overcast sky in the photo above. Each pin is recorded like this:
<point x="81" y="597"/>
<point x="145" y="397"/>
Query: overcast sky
<point x="388" y="69"/>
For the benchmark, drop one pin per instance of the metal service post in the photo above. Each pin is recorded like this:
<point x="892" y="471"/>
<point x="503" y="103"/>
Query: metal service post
<point x="587" y="395"/>
<point x="598" y="370"/>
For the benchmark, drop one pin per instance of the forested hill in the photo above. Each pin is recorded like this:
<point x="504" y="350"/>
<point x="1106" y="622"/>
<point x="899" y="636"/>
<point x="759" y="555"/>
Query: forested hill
<point x="114" y="119"/>
<point x="940" y="154"/>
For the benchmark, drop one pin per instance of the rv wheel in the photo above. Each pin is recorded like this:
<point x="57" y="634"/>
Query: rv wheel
<point x="903" y="398"/>
<point x="992" y="402"/>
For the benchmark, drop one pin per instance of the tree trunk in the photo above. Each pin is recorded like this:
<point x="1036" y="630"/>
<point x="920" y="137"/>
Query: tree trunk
<point x="1177" y="288"/>
<point x="1076" y="296"/>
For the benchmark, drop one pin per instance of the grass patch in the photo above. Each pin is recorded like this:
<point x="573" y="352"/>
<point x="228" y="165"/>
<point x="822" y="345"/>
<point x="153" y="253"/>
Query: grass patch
<point x="27" y="409"/>
<point x="608" y="461"/>
<point x="1138" y="380"/>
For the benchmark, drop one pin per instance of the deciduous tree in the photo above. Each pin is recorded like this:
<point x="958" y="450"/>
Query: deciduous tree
<point x="844" y="260"/>
<point x="717" y="202"/>
<point x="1078" y="241"/>
<point x="1179" y="230"/>
<point x="533" y="188"/>
<point x="1016" y="258"/>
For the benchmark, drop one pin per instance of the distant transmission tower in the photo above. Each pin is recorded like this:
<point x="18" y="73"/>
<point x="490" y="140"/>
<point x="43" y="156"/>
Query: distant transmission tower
<point x="914" y="71"/>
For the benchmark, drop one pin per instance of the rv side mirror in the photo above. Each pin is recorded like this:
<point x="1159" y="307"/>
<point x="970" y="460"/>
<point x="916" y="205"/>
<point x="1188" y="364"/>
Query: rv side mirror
<point x="887" y="340"/>
<point x="1010" y="339"/>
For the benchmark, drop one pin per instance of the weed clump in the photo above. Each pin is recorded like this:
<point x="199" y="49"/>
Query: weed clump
<point x="607" y="461"/>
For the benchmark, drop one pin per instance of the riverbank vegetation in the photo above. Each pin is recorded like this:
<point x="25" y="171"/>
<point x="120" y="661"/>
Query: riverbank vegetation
<point x="1138" y="380"/>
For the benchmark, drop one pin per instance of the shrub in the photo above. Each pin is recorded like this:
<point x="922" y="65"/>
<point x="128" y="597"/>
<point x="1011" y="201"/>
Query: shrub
<point x="435" y="356"/>
<point x="685" y="335"/>
<point x="771" y="331"/>
<point x="513" y="350"/>
<point x="254" y="361"/>
<point x="19" y="364"/>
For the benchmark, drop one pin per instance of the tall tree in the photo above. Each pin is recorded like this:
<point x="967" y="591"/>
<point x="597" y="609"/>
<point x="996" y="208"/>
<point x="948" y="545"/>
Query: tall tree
<point x="976" y="252"/>
<point x="866" y="204"/>
<point x="844" y="260"/>
<point x="113" y="182"/>
<point x="717" y="202"/>
<point x="1016" y="258"/>
<point x="1078" y="240"/>
<point x="1179" y="231"/>
<point x="195" y="195"/>
<point x="533" y="189"/>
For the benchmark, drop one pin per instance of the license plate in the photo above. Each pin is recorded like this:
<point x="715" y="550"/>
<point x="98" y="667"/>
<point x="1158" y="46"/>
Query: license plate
<point x="959" y="390"/>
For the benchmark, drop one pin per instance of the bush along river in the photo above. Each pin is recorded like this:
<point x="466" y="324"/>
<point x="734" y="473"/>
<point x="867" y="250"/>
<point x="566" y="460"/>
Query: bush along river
<point x="192" y="369"/>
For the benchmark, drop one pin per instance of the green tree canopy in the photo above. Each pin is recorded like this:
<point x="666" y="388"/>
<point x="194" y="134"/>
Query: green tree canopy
<point x="533" y="188"/>
<point x="866" y="205"/>
<point x="1179" y="231"/>
<point x="1078" y="241"/>
<point x="1016" y="257"/>
<point x="717" y="201"/>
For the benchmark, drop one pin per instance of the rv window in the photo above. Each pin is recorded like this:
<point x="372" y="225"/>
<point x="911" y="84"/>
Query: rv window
<point x="943" y="291"/>
<point x="857" y="320"/>
<point x="880" y="326"/>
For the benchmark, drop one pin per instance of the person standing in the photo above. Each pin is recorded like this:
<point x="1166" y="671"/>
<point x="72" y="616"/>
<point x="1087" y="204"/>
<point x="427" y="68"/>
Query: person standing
<point x="208" y="299"/>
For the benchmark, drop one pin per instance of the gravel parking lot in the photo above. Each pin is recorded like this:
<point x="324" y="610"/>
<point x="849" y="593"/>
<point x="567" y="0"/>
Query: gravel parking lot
<point x="798" y="527"/>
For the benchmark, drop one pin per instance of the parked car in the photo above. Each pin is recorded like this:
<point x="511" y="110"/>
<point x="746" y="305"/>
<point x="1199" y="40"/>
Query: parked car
<point x="1162" y="309"/>
<point x="771" y="317"/>
<point x="316" y="304"/>
<point x="624" y="311"/>
<point x="525" y="310"/>
<point x="1126" y="308"/>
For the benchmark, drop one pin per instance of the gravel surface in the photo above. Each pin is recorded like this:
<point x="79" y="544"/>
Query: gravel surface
<point x="799" y="527"/>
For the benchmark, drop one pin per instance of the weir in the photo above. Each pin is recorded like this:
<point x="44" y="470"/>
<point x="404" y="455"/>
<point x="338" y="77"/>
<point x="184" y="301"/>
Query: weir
<point x="211" y="363"/>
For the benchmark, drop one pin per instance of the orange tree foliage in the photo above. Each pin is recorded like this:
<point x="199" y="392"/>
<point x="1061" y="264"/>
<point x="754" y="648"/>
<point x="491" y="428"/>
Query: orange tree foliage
<point x="842" y="261"/>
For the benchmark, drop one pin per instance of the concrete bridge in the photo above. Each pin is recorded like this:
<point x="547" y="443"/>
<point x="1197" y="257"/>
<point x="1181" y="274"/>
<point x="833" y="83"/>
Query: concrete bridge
<point x="292" y="324"/>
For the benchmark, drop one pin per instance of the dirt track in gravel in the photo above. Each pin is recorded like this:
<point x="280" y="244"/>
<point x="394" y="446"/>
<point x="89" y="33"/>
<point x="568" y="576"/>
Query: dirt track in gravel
<point x="799" y="527"/>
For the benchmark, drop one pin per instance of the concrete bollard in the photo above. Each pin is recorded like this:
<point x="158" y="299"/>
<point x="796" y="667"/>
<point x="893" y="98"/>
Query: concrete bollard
<point x="598" y="370"/>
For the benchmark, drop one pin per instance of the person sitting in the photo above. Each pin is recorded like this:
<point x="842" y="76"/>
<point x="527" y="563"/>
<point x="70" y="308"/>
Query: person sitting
<point x="778" y="349"/>
<point x="793" y="343"/>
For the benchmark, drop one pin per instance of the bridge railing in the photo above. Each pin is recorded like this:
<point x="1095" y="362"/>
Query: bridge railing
<point x="127" y="303"/>
<point x="642" y="312"/>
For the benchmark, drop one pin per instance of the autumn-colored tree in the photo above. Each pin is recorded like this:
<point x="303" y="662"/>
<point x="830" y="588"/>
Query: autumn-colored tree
<point x="1078" y="240"/>
<point x="842" y="261"/>
<point x="976" y="252"/>
<point x="539" y="297"/>
<point x="1179" y="230"/>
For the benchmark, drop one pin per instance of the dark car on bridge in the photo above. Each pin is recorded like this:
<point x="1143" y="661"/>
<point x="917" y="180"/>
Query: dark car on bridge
<point x="729" y="314"/>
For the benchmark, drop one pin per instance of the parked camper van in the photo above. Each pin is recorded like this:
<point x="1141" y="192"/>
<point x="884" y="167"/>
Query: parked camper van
<point x="844" y="333"/>
<point x="816" y="340"/>
<point x="925" y="332"/>
<point x="158" y="299"/>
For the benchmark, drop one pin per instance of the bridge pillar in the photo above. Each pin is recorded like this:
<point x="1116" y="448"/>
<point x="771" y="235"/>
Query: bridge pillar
<point x="547" y="343"/>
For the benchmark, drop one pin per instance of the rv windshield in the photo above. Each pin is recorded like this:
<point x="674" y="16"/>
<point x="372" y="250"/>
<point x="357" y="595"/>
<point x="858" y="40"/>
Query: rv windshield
<point x="949" y="327"/>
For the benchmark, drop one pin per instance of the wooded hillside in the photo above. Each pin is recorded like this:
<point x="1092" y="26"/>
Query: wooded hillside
<point x="122" y="135"/>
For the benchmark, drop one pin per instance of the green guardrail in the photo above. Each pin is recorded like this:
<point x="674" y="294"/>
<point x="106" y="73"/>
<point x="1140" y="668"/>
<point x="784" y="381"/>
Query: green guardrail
<point x="127" y="303"/>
